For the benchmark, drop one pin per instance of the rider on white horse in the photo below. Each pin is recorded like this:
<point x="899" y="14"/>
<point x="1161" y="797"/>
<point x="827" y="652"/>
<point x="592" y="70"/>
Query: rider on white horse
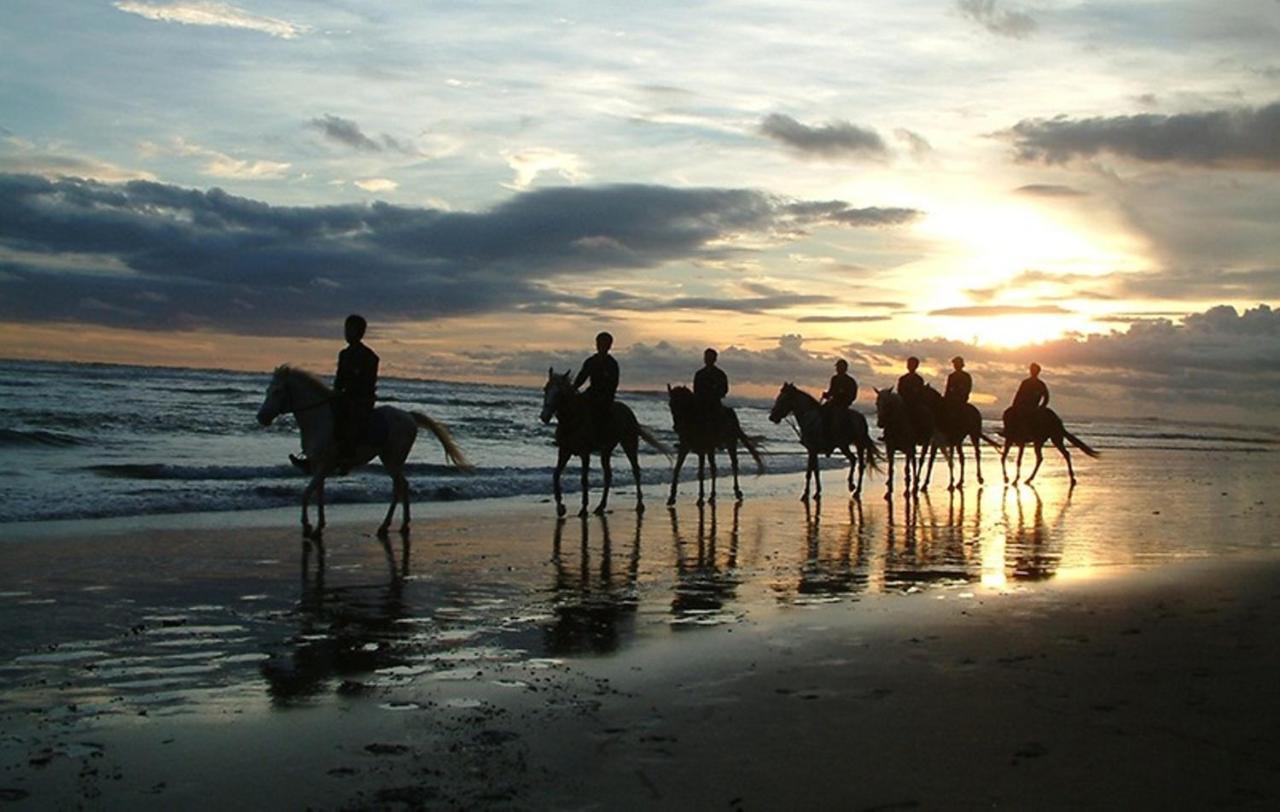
<point x="354" y="393"/>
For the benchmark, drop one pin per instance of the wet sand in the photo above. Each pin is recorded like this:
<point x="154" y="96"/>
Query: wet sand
<point x="1015" y="647"/>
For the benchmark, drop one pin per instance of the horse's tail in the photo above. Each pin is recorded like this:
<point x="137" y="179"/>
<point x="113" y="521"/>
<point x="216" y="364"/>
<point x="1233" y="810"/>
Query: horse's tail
<point x="653" y="441"/>
<point x="451" y="451"/>
<point x="1080" y="444"/>
<point x="871" y="451"/>
<point x="752" y="448"/>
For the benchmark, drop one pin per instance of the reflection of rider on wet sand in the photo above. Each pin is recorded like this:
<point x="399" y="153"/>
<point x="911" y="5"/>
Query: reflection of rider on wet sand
<point x="840" y="395"/>
<point x="1031" y="396"/>
<point x="602" y="371"/>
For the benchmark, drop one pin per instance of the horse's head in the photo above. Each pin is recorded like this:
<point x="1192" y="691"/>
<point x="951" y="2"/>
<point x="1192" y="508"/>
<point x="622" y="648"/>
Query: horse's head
<point x="277" y="400"/>
<point x="887" y="404"/>
<point x="679" y="399"/>
<point x="782" y="404"/>
<point x="557" y="389"/>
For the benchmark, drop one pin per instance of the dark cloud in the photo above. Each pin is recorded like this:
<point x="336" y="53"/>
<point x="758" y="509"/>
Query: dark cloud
<point x="164" y="256"/>
<point x="1199" y="284"/>
<point x="616" y="300"/>
<point x="348" y="133"/>
<point x="983" y="311"/>
<point x="1240" y="138"/>
<point x="832" y="140"/>
<point x="1048" y="190"/>
<point x="1006" y="23"/>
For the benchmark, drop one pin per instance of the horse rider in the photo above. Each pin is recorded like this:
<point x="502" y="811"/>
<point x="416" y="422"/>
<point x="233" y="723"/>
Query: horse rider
<point x="1032" y="394"/>
<point x="911" y="385"/>
<point x="959" y="386"/>
<point x="602" y="371"/>
<point x="710" y="386"/>
<point x="840" y="395"/>
<point x="354" y="393"/>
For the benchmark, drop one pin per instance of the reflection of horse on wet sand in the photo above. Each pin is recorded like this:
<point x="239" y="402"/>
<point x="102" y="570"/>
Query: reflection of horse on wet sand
<point x="577" y="436"/>
<point x="702" y="437"/>
<point x="308" y="399"/>
<point x="852" y="432"/>
<point x="1038" y="427"/>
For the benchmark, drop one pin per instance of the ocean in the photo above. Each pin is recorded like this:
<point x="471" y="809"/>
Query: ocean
<point x="96" y="440"/>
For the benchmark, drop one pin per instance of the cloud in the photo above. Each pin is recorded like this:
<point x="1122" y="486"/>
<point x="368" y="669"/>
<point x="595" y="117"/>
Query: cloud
<point x="377" y="185"/>
<point x="222" y="15"/>
<point x="20" y="156"/>
<point x="1048" y="190"/>
<point x="832" y="140"/>
<point x="348" y="133"/>
<point x="532" y="162"/>
<point x="1015" y="24"/>
<point x="218" y="164"/>
<point x="1208" y="364"/>
<point x="840" y="319"/>
<point x="246" y="266"/>
<point x="1238" y="138"/>
<point x="610" y="300"/>
<point x="916" y="143"/>
<point x="984" y="311"/>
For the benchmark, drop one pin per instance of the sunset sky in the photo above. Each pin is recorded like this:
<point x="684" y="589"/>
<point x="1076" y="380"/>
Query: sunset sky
<point x="219" y="184"/>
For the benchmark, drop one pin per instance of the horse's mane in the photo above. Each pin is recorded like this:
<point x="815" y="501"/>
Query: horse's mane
<point x="311" y="379"/>
<point x="804" y="394"/>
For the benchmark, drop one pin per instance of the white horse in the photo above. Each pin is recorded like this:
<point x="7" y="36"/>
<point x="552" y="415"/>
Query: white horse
<point x="309" y="399"/>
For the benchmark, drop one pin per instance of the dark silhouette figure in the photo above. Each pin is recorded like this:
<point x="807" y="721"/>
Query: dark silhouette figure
<point x="850" y="431"/>
<point x="580" y="433"/>
<point x="355" y="389"/>
<point x="900" y="434"/>
<point x="910" y="385"/>
<point x="1030" y="420"/>
<point x="710" y="386"/>
<point x="959" y="383"/>
<point x="840" y="395"/>
<point x="601" y="370"/>
<point x="702" y="437"/>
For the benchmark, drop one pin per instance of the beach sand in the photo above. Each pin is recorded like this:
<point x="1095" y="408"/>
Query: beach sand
<point x="1111" y="646"/>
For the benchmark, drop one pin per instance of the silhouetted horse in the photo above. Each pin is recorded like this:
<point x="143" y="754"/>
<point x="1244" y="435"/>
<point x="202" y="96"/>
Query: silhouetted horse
<point x="1037" y="427"/>
<point x="703" y="437"/>
<point x="853" y="432"/>
<point x="309" y="399"/>
<point x="894" y="417"/>
<point x="952" y="425"/>
<point x="577" y="436"/>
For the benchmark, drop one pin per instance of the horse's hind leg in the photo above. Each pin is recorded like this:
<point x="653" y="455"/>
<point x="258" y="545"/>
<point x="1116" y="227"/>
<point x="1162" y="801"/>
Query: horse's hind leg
<point x="1004" y="456"/>
<point x="1066" y="455"/>
<point x="606" y="464"/>
<point x="391" y="509"/>
<point x="681" y="453"/>
<point x="404" y="494"/>
<point x="1039" y="449"/>
<point x="1017" y="474"/>
<point x="632" y="450"/>
<point x="702" y="476"/>
<point x="928" y="470"/>
<point x="888" y="483"/>
<point x="316" y="482"/>
<point x="977" y="456"/>
<point x="562" y="460"/>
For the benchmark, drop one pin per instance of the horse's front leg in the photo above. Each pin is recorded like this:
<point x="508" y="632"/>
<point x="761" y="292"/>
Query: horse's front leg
<point x="586" y="483"/>
<point x="1039" y="449"/>
<point x="562" y="459"/>
<point x="888" y="483"/>
<point x="809" y="466"/>
<point x="1004" y="456"/>
<point x="632" y="451"/>
<point x="702" y="475"/>
<point x="404" y="494"/>
<point x="959" y="452"/>
<point x="681" y="453"/>
<point x="316" y="482"/>
<point x="913" y="464"/>
<point x="711" y="463"/>
<point x="1017" y="473"/>
<point x="733" y="463"/>
<point x="817" y="476"/>
<point x="606" y="464"/>
<point x="928" y="476"/>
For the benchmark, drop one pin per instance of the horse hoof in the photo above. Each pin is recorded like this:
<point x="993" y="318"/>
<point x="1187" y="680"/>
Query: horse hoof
<point x="737" y="495"/>
<point x="671" y="501"/>
<point x="560" y="511"/>
<point x="599" y="511"/>
<point x="888" y="496"/>
<point x="582" y="514"/>
<point x="711" y="501"/>
<point x="1073" y="482"/>
<point x="382" y="532"/>
<point x="639" y="507"/>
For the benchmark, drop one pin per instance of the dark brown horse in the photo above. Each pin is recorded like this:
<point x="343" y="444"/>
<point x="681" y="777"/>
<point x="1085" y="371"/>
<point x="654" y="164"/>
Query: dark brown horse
<point x="702" y="437"/>
<point x="900" y="434"/>
<point x="1037" y="427"/>
<point x="852" y="432"/>
<point x="953" y="423"/>
<point x="577" y="436"/>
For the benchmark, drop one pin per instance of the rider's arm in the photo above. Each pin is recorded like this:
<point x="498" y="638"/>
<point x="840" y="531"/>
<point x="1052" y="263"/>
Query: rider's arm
<point x="583" y="374"/>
